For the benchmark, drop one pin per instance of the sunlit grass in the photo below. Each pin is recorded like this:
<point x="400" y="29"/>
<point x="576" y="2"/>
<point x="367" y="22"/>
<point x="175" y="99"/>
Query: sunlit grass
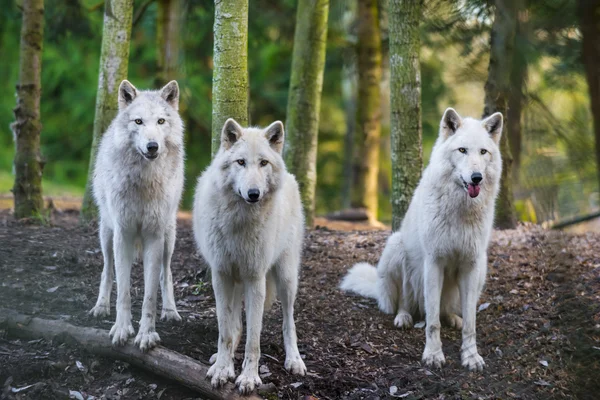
<point x="52" y="189"/>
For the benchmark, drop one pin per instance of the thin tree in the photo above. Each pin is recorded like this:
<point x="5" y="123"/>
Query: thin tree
<point x="405" y="77"/>
<point x="114" y="60"/>
<point x="27" y="190"/>
<point x="168" y="40"/>
<point x="497" y="90"/>
<point x="230" y="74"/>
<point x="589" y="17"/>
<point x="368" y="110"/>
<point x="304" y="99"/>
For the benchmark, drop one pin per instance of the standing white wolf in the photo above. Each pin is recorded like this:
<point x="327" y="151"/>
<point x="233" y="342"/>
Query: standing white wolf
<point x="438" y="258"/>
<point x="249" y="227"/>
<point x="138" y="180"/>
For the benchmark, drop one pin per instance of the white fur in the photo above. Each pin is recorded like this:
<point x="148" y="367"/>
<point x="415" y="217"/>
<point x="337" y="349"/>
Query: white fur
<point x="436" y="263"/>
<point x="138" y="199"/>
<point x="253" y="249"/>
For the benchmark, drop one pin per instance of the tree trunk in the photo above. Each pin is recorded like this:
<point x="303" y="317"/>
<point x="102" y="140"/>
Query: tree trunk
<point x="304" y="99"/>
<point x="168" y="24"/>
<point x="405" y="125"/>
<point x="28" y="162"/>
<point x="349" y="101"/>
<point x="497" y="89"/>
<point x="230" y="74"/>
<point x="589" y="15"/>
<point x="114" y="59"/>
<point x="368" y="129"/>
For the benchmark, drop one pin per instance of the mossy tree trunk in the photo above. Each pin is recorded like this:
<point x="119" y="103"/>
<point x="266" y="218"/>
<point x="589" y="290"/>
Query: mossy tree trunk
<point x="27" y="190"/>
<point x="230" y="74"/>
<point x="405" y="124"/>
<point x="368" y="110"/>
<point x="114" y="60"/>
<point x="304" y="99"/>
<point x="497" y="90"/>
<point x="168" y="40"/>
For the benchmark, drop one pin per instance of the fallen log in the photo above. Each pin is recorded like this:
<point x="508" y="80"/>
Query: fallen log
<point x="160" y="360"/>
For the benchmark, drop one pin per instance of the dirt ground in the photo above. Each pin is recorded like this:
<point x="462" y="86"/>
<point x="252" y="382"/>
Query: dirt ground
<point x="539" y="335"/>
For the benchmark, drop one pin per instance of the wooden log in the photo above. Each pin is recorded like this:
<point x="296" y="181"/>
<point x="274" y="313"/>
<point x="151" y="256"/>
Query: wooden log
<point x="160" y="360"/>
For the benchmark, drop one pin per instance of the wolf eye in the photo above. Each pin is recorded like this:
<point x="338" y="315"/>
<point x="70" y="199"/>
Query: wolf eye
<point x="138" y="121"/>
<point x="161" y="121"/>
<point x="263" y="163"/>
<point x="483" y="151"/>
<point x="462" y="150"/>
<point x="241" y="162"/>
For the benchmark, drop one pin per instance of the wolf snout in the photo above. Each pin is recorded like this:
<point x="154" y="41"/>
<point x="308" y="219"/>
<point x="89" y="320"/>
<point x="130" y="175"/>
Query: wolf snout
<point x="476" y="177"/>
<point x="152" y="147"/>
<point x="253" y="195"/>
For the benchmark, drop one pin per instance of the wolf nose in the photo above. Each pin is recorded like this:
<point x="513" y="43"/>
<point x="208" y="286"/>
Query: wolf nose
<point x="253" y="194"/>
<point x="152" y="147"/>
<point x="476" y="177"/>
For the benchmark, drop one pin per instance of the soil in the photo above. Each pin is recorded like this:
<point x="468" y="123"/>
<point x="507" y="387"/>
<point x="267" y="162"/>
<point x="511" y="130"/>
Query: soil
<point x="538" y="324"/>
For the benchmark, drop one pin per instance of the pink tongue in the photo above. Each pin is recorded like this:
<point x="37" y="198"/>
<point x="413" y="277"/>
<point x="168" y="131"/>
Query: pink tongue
<point x="473" y="190"/>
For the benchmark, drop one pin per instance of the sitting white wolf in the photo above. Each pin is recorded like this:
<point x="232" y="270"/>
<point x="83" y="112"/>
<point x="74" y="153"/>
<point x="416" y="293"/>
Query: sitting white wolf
<point x="438" y="258"/>
<point x="138" y="180"/>
<point x="249" y="227"/>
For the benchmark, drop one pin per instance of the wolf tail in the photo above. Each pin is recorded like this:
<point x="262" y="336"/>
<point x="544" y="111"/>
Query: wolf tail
<point x="362" y="280"/>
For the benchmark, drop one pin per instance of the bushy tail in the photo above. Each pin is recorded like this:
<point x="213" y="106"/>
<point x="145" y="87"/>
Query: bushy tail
<point x="362" y="280"/>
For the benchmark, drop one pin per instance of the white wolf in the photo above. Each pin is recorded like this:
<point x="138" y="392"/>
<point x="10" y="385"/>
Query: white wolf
<point x="138" y="180"/>
<point x="439" y="255"/>
<point x="249" y="227"/>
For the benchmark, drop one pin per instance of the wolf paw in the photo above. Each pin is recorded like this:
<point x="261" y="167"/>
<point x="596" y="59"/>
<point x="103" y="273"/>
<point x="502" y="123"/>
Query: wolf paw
<point x="220" y="374"/>
<point x="403" y="320"/>
<point x="147" y="340"/>
<point x="433" y="358"/>
<point x="120" y="332"/>
<point x="247" y="382"/>
<point x="295" y="365"/>
<point x="100" y="310"/>
<point x="454" y="321"/>
<point x="213" y="358"/>
<point x="170" y="315"/>
<point x="473" y="362"/>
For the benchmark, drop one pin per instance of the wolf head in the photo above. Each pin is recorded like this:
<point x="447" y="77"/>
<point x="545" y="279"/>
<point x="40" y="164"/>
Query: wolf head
<point x="148" y="120"/>
<point x="470" y="149"/>
<point x="250" y="160"/>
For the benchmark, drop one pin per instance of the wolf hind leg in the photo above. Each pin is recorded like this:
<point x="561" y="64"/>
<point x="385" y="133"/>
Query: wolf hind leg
<point x="388" y="286"/>
<point x="450" y="306"/>
<point x="102" y="307"/>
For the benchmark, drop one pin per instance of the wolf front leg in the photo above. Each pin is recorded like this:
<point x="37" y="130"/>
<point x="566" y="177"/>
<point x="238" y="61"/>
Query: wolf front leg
<point x="102" y="307"/>
<point x="255" y="292"/>
<point x="123" y="247"/>
<point x="147" y="337"/>
<point x="169" y="310"/>
<point x="470" y="284"/>
<point x="433" y="280"/>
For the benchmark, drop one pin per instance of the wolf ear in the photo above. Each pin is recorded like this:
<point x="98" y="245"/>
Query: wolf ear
<point x="231" y="133"/>
<point x="450" y="123"/>
<point x="274" y="134"/>
<point x="171" y="94"/>
<point x="493" y="125"/>
<point x="127" y="93"/>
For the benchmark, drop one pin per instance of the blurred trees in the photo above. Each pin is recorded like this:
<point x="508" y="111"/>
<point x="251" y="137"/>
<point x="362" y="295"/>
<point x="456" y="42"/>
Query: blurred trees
<point x="28" y="163"/>
<point x="304" y="99"/>
<point x="168" y="40"/>
<point x="114" y="61"/>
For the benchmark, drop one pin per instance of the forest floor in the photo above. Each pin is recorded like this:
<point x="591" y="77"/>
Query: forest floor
<point x="539" y="335"/>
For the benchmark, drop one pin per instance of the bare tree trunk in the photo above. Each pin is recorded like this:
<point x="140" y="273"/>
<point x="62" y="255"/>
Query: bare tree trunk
<point x="114" y="61"/>
<point x="406" y="131"/>
<point x="304" y="99"/>
<point x="349" y="100"/>
<point x="168" y="43"/>
<point x="27" y="127"/>
<point x="368" y="110"/>
<point x="589" y="15"/>
<point x="230" y="74"/>
<point x="497" y="89"/>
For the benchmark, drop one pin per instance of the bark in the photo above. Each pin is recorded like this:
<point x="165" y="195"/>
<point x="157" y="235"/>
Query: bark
<point x="27" y="127"/>
<point x="405" y="124"/>
<point x="114" y="59"/>
<point x="230" y="74"/>
<point x="497" y="89"/>
<point x="368" y="129"/>
<point x="589" y="16"/>
<point x="304" y="99"/>
<point x="168" y="40"/>
<point x="160" y="360"/>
